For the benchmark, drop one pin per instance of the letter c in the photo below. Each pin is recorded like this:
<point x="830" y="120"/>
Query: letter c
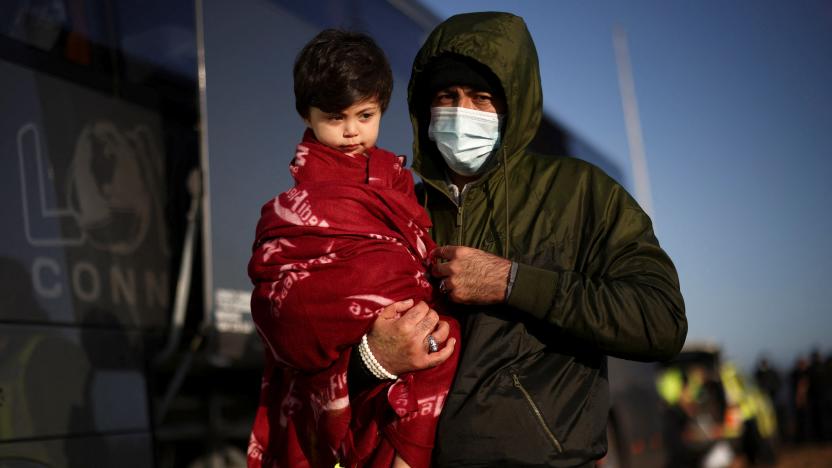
<point x="49" y="291"/>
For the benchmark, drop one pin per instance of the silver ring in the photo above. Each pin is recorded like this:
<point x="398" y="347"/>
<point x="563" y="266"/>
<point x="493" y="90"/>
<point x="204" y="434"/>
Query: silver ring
<point x="442" y="287"/>
<point x="432" y="346"/>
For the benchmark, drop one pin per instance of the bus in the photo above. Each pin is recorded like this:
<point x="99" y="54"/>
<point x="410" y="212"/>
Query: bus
<point x="139" y="140"/>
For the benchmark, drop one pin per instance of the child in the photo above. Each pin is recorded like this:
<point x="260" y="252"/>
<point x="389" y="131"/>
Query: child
<point x="348" y="239"/>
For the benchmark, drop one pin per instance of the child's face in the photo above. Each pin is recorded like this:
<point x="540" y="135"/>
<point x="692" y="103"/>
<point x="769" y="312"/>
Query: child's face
<point x="351" y="131"/>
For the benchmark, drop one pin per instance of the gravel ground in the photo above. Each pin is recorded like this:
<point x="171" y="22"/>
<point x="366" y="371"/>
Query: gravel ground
<point x="810" y="456"/>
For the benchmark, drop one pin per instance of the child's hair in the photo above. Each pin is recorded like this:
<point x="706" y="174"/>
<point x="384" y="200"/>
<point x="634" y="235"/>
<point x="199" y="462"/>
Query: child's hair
<point x="337" y="68"/>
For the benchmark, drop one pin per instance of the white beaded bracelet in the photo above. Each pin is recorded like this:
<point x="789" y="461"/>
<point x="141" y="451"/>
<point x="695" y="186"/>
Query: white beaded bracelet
<point x="372" y="363"/>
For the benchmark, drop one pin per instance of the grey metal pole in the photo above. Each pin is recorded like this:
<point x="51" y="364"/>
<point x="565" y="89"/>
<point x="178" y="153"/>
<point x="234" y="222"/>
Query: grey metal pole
<point x="207" y="259"/>
<point x="635" y="140"/>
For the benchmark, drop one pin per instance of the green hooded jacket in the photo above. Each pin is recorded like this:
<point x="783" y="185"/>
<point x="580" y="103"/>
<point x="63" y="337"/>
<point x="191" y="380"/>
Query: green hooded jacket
<point x="531" y="387"/>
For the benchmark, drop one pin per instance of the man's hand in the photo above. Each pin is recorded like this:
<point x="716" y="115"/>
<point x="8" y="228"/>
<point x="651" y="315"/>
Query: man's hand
<point x="471" y="276"/>
<point x="399" y="337"/>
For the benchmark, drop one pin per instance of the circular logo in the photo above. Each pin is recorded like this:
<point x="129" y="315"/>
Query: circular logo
<point x="107" y="189"/>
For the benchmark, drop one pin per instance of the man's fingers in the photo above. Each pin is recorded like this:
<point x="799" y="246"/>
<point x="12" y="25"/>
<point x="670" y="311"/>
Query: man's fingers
<point x="441" y="332"/>
<point x="434" y="359"/>
<point x="416" y="313"/>
<point x="440" y="270"/>
<point x="401" y="306"/>
<point x="395" y="309"/>
<point x="438" y="252"/>
<point x="446" y="252"/>
<point x="428" y="323"/>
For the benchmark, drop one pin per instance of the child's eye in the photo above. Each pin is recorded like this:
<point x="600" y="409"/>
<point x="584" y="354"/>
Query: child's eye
<point x="367" y="115"/>
<point x="334" y="117"/>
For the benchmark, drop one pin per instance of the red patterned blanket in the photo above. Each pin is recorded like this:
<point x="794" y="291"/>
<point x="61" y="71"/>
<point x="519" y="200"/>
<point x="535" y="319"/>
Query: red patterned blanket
<point x="348" y="239"/>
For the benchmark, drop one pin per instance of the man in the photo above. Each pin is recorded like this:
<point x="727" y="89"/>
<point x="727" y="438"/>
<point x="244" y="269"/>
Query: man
<point x="554" y="266"/>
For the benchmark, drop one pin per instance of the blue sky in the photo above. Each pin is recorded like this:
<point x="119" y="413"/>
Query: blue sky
<point x="735" y="101"/>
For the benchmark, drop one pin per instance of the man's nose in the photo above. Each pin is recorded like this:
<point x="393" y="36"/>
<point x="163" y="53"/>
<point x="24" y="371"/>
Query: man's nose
<point x="466" y="102"/>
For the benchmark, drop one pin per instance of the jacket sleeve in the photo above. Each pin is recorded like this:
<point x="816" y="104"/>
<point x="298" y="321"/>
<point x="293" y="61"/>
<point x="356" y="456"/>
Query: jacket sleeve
<point x="626" y="300"/>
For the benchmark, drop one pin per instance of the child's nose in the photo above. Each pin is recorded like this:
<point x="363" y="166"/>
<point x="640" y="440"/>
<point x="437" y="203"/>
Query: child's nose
<point x="350" y="130"/>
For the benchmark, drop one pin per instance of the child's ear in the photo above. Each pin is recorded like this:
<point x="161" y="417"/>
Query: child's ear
<point x="307" y="123"/>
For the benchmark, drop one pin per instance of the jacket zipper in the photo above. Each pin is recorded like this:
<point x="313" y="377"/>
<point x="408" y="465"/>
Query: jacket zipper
<point x="459" y="224"/>
<point x="537" y="413"/>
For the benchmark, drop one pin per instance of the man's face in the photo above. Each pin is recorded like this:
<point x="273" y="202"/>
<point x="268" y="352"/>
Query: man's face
<point x="469" y="98"/>
<point x="351" y="131"/>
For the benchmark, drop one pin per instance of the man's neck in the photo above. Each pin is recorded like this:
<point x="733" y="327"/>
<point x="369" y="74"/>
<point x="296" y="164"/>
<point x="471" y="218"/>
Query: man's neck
<point x="461" y="180"/>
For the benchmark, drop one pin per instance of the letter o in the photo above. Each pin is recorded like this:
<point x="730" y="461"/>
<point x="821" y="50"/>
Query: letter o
<point x="93" y="291"/>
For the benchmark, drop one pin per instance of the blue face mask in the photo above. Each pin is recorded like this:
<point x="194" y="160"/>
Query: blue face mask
<point x="466" y="138"/>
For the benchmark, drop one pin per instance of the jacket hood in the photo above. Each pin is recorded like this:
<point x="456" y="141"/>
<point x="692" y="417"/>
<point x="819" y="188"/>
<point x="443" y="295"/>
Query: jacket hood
<point x="502" y="43"/>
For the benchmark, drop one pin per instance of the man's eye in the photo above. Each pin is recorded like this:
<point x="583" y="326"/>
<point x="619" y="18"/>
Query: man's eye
<point x="483" y="98"/>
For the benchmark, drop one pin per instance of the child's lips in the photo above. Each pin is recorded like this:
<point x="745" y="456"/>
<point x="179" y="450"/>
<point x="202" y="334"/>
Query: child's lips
<point x="350" y="148"/>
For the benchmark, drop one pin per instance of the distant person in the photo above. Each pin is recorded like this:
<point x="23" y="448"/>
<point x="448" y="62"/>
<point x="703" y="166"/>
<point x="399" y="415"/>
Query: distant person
<point x="768" y="379"/>
<point x="346" y="241"/>
<point x="556" y="265"/>
<point x="827" y="416"/>
<point x="677" y="413"/>
<point x="817" y="396"/>
<point x="800" y="400"/>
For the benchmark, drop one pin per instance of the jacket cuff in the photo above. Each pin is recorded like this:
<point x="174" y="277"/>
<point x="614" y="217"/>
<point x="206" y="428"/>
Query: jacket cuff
<point x="534" y="291"/>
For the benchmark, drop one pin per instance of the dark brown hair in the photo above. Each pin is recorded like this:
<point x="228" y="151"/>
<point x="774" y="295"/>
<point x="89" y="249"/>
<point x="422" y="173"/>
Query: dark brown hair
<point x="338" y="68"/>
